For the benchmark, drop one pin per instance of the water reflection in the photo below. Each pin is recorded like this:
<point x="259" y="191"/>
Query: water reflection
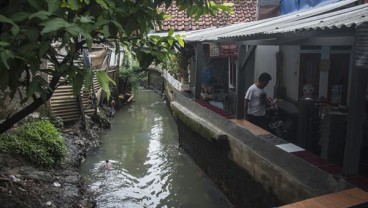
<point x="148" y="170"/>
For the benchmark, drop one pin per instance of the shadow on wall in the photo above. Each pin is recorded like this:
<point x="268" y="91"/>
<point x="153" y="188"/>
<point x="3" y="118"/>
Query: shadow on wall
<point x="212" y="156"/>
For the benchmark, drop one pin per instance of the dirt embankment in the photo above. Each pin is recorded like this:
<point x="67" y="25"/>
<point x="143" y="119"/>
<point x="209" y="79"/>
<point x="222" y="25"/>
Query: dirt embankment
<point x="23" y="185"/>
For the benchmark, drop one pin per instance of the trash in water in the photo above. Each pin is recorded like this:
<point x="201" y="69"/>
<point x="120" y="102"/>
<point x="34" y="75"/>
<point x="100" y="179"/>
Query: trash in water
<point x="14" y="179"/>
<point x="57" y="184"/>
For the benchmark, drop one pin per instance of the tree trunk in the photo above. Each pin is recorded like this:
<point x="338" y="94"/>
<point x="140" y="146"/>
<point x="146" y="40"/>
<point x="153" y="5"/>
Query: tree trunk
<point x="15" y="118"/>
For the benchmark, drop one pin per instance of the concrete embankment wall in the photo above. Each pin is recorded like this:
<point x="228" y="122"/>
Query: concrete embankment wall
<point x="250" y="170"/>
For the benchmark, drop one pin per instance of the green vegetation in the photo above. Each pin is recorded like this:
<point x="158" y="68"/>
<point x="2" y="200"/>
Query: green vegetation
<point x="131" y="72"/>
<point x="38" y="141"/>
<point x="56" y="121"/>
<point x="171" y="64"/>
<point x="30" y="29"/>
<point x="177" y="63"/>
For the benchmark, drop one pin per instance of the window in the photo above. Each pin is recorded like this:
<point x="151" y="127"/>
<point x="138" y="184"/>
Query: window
<point x="325" y="73"/>
<point x="309" y="74"/>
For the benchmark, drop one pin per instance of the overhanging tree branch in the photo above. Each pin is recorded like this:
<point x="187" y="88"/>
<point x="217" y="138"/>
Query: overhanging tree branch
<point x="29" y="30"/>
<point x="9" y="122"/>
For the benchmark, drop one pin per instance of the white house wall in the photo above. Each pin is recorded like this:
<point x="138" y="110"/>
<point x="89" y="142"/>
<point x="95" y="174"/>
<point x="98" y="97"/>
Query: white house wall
<point x="290" y="70"/>
<point x="266" y="62"/>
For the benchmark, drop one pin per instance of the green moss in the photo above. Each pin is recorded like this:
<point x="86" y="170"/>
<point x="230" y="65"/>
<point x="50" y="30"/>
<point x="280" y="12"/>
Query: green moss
<point x="37" y="140"/>
<point x="194" y="125"/>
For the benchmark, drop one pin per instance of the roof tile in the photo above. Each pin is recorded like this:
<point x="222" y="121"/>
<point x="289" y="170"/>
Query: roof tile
<point x="244" y="11"/>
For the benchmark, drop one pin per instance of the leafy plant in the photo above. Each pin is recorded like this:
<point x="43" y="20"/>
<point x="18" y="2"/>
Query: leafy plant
<point x="171" y="64"/>
<point x="177" y="63"/>
<point x="56" y="121"/>
<point x="38" y="141"/>
<point x="30" y="29"/>
<point x="131" y="72"/>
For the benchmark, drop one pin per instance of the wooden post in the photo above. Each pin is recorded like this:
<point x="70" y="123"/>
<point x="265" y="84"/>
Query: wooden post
<point x="357" y="93"/>
<point x="148" y="79"/>
<point x="198" y="70"/>
<point x="81" y="108"/>
<point x="240" y="79"/>
<point x="243" y="60"/>
<point x="354" y="132"/>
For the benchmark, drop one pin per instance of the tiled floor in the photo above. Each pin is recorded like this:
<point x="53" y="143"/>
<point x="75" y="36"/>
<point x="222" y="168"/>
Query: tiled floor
<point x="215" y="109"/>
<point x="354" y="197"/>
<point x="319" y="162"/>
<point x="358" y="181"/>
<point x="251" y="127"/>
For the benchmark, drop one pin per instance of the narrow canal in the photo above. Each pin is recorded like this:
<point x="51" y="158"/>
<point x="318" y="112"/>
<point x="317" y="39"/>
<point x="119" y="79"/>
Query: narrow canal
<point x="148" y="167"/>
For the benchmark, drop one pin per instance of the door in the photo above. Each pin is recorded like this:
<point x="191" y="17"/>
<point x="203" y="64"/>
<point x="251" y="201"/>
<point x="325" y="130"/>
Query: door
<point x="338" y="78"/>
<point x="309" y="72"/>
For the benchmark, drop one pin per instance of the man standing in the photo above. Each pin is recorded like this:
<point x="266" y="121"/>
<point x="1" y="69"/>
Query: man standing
<point x="255" y="102"/>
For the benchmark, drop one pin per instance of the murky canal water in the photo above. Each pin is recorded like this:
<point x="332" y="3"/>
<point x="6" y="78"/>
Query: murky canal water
<point x="148" y="168"/>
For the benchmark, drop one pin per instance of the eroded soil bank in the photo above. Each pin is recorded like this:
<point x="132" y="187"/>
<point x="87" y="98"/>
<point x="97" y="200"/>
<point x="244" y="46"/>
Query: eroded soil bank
<point x="24" y="185"/>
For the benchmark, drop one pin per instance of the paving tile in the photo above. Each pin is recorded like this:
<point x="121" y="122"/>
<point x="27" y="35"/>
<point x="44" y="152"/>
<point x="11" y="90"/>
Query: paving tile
<point x="331" y="168"/>
<point x="344" y="199"/>
<point x="304" y="154"/>
<point x="359" y="181"/>
<point x="215" y="109"/>
<point x="256" y="130"/>
<point x="317" y="161"/>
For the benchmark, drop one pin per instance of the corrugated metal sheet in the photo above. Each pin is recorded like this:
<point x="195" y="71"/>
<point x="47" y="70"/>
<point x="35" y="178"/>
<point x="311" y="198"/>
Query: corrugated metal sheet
<point x="65" y="104"/>
<point x="349" y="17"/>
<point x="361" y="46"/>
<point x="325" y="17"/>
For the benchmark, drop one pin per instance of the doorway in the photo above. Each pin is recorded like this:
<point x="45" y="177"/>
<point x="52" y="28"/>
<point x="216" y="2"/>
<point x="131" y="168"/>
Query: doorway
<point x="309" y="73"/>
